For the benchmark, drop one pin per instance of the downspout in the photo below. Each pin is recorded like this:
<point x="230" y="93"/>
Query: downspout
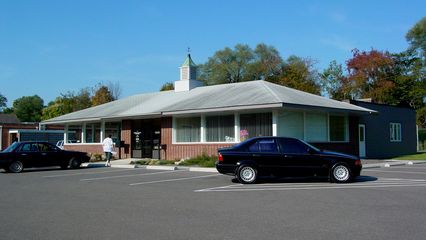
<point x="1" y="137"/>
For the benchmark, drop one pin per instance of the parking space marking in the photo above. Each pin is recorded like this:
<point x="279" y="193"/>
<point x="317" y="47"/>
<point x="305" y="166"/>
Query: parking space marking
<point x="130" y="175"/>
<point x="172" y="180"/>
<point x="87" y="173"/>
<point x="382" y="183"/>
<point x="390" y="171"/>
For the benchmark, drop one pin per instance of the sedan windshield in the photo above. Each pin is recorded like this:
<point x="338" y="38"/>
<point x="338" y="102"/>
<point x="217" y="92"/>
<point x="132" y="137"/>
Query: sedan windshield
<point x="11" y="147"/>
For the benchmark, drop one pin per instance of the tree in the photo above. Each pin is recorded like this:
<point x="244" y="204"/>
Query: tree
<point x="28" y="108"/>
<point x="267" y="63"/>
<point x="101" y="96"/>
<point x="409" y="81"/>
<point x="368" y="75"/>
<point x="67" y="103"/>
<point x="167" y="86"/>
<point x="416" y="37"/>
<point x="3" y="101"/>
<point x="421" y="117"/>
<point x="332" y="79"/>
<point x="115" y="89"/>
<point x="227" y="66"/>
<point x="299" y="73"/>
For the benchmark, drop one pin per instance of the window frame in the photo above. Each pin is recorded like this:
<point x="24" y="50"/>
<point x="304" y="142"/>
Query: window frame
<point x="395" y="127"/>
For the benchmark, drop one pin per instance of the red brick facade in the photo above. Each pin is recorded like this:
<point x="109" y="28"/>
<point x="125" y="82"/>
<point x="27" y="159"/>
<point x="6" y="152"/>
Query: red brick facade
<point x="172" y="151"/>
<point x="179" y="151"/>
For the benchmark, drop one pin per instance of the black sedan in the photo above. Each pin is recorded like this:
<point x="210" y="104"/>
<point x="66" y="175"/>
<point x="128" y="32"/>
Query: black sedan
<point x="22" y="155"/>
<point x="285" y="157"/>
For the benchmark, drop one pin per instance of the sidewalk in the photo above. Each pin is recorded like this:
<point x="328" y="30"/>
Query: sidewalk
<point x="126" y="163"/>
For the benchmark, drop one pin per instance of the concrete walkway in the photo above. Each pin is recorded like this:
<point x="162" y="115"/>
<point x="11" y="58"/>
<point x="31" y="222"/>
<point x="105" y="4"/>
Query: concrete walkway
<point x="126" y="163"/>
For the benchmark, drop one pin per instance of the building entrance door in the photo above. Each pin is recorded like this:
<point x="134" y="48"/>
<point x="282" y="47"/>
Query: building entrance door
<point x="146" y="138"/>
<point x="361" y="136"/>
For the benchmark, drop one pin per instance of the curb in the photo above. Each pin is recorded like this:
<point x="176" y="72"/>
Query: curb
<point x="214" y="170"/>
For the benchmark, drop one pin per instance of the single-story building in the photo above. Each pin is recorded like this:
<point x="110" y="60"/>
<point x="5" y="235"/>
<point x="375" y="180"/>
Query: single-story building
<point x="390" y="133"/>
<point x="194" y="119"/>
<point x="12" y="129"/>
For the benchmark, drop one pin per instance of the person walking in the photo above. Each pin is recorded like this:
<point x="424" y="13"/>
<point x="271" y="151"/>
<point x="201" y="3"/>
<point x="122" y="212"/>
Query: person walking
<point x="108" y="146"/>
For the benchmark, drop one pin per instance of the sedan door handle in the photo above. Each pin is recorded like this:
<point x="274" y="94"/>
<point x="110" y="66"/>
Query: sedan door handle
<point x="23" y="154"/>
<point x="288" y="156"/>
<point x="44" y="154"/>
<point x="255" y="155"/>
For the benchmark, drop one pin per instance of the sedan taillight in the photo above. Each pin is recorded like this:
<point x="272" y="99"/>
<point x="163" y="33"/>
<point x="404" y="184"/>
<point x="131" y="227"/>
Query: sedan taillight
<point x="358" y="163"/>
<point x="220" y="157"/>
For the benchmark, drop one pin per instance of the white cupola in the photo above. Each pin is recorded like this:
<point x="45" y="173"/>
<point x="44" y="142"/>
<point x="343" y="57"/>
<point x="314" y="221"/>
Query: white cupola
<point x="188" y="76"/>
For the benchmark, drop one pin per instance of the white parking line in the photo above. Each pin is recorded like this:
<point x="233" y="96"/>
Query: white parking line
<point x="129" y="175"/>
<point x="86" y="173"/>
<point x="172" y="180"/>
<point x="390" y="171"/>
<point x="382" y="183"/>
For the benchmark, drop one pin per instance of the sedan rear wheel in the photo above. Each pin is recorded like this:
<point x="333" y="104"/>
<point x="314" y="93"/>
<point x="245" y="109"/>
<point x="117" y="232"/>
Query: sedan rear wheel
<point x="341" y="173"/>
<point x="16" y="167"/>
<point x="246" y="174"/>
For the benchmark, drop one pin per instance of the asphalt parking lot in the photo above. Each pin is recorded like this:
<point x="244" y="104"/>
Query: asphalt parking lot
<point x="111" y="203"/>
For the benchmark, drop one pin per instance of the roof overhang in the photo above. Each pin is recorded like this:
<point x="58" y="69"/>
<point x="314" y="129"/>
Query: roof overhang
<point x="222" y="109"/>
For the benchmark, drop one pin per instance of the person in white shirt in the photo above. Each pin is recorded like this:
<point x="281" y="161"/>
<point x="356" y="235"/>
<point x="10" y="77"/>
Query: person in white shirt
<point x="108" y="146"/>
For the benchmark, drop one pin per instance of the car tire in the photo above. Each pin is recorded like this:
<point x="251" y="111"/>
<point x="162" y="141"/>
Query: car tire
<point x="15" y="167"/>
<point x="75" y="163"/>
<point x="340" y="173"/>
<point x="247" y="174"/>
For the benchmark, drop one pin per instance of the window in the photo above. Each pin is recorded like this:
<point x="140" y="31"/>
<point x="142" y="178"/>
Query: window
<point x="338" y="126"/>
<point x="255" y="125"/>
<point x="290" y="124"/>
<point x="113" y="129"/>
<point x="74" y="133"/>
<point x="220" y="129"/>
<point x="316" y="127"/>
<point x="93" y="133"/>
<point x="266" y="146"/>
<point x="293" y="146"/>
<point x="188" y="129"/>
<point x="395" y="132"/>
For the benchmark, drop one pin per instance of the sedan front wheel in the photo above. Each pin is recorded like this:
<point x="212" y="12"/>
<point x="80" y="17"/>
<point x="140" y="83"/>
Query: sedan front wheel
<point x="16" y="167"/>
<point x="246" y="174"/>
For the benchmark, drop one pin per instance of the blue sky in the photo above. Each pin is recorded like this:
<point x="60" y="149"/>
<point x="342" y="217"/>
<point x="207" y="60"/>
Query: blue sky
<point x="51" y="47"/>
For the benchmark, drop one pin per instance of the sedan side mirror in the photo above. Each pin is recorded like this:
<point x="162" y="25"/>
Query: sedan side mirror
<point x="311" y="151"/>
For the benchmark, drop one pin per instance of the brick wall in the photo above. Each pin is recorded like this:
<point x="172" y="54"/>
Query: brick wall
<point x="89" y="148"/>
<point x="179" y="151"/>
<point x="126" y="136"/>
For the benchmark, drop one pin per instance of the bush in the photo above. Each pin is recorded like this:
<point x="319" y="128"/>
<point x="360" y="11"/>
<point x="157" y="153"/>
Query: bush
<point x="203" y="161"/>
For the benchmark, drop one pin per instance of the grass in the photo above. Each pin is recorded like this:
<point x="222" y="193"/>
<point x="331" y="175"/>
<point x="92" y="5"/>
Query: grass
<point x="417" y="156"/>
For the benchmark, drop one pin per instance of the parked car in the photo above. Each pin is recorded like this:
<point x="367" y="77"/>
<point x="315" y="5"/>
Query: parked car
<point x="285" y="157"/>
<point x="60" y="144"/>
<point x="22" y="155"/>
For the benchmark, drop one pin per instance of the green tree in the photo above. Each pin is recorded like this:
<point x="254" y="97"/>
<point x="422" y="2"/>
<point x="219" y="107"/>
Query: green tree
<point x="167" y="86"/>
<point x="332" y="79"/>
<point x="409" y="81"/>
<point x="267" y="63"/>
<point x="67" y="103"/>
<point x="28" y="108"/>
<point x="3" y="101"/>
<point x="227" y="66"/>
<point x="416" y="37"/>
<point x="299" y="73"/>
<point x="421" y="117"/>
<point x="102" y="95"/>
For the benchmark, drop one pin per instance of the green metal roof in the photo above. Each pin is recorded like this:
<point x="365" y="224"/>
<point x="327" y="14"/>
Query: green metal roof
<point x="188" y="62"/>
